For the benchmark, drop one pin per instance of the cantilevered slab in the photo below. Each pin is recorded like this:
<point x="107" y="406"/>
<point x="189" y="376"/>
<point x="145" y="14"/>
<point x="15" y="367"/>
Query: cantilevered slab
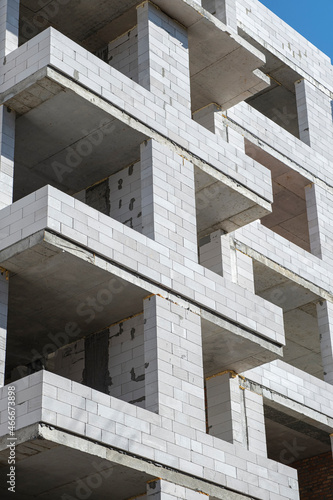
<point x="71" y="264"/>
<point x="79" y="123"/>
<point x="223" y="65"/>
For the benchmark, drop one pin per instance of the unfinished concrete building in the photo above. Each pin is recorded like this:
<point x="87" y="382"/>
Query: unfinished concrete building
<point x="166" y="232"/>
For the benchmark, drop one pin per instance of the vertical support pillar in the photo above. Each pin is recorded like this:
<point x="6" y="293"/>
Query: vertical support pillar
<point x="319" y="204"/>
<point x="3" y="323"/>
<point x="9" y="26"/>
<point x="7" y="145"/>
<point x="325" y="325"/>
<point x="255" y="423"/>
<point x="164" y="490"/>
<point x="225" y="412"/>
<point x="226" y="12"/>
<point x="210" y="117"/>
<point x="245" y="276"/>
<point x="314" y="109"/>
<point x="168" y="200"/>
<point x="210" y="252"/>
<point x="163" y="53"/>
<point x="313" y="220"/>
<point x="174" y="363"/>
<point x="234" y="414"/>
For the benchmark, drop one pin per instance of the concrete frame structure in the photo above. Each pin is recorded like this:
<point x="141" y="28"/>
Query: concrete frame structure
<point x="166" y="235"/>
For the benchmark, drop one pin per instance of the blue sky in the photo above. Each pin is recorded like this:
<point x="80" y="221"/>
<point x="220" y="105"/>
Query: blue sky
<point x="313" y="19"/>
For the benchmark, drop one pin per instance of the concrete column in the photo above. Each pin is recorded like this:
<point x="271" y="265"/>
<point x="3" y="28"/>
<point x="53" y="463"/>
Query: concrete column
<point x="168" y="200"/>
<point x="245" y="276"/>
<point x="210" y="252"/>
<point x="163" y="54"/>
<point x="217" y="253"/>
<point x="9" y="26"/>
<point x="3" y="323"/>
<point x="174" y="365"/>
<point x="235" y="415"/>
<point x="225" y="412"/>
<point x="325" y="325"/>
<point x="163" y="490"/>
<point x="313" y="220"/>
<point x="314" y="109"/>
<point x="332" y="443"/>
<point x="7" y="145"/>
<point x="224" y="10"/>
<point x="319" y="205"/>
<point x="210" y="117"/>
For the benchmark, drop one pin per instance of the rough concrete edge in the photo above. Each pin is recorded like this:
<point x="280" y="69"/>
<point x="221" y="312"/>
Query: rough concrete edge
<point x="278" y="400"/>
<point x="287" y="273"/>
<point x="97" y="449"/>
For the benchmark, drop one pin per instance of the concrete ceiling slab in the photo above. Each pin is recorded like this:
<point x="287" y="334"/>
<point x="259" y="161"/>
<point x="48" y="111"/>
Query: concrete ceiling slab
<point x="226" y="347"/>
<point x="218" y="206"/>
<point x="225" y="74"/>
<point x="70" y="144"/>
<point x="302" y="348"/>
<point x="50" y="291"/>
<point x="278" y="289"/>
<point x="289" y="212"/>
<point x="288" y="445"/>
<point x="54" y="471"/>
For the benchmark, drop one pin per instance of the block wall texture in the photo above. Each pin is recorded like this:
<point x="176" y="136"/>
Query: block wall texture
<point x="127" y="361"/>
<point x="118" y="196"/>
<point x="123" y="54"/>
<point x="168" y="199"/>
<point x="72" y="407"/>
<point x="4" y="283"/>
<point x="173" y="356"/>
<point x="9" y="14"/>
<point x="315" y="117"/>
<point x="7" y="146"/>
<point x="68" y="361"/>
<point x="139" y="384"/>
<point x="164" y="58"/>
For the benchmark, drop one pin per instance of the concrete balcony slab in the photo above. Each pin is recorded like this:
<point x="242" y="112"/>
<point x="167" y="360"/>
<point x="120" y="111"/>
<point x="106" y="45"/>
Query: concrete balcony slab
<point x="224" y="67"/>
<point x="90" y="271"/>
<point x="128" y="441"/>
